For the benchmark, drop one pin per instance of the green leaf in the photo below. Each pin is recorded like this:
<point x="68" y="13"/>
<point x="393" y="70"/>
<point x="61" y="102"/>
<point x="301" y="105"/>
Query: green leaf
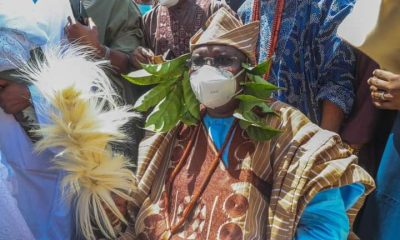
<point x="248" y="102"/>
<point x="258" y="87"/>
<point x="153" y="96"/>
<point x="169" y="67"/>
<point x="244" y="124"/>
<point x="255" y="127"/>
<point x="260" y="69"/>
<point x="258" y="90"/>
<point x="259" y="80"/>
<point x="249" y="117"/>
<point x="141" y="77"/>
<point x="191" y="103"/>
<point x="188" y="119"/>
<point x="167" y="113"/>
<point x="261" y="134"/>
<point x="247" y="66"/>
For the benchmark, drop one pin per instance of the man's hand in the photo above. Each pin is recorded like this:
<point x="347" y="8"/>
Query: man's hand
<point x="385" y="89"/>
<point x="141" y="55"/>
<point x="85" y="35"/>
<point x="14" y="97"/>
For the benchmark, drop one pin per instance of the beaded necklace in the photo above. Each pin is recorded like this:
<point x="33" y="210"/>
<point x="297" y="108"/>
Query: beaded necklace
<point x="275" y="27"/>
<point x="173" y="228"/>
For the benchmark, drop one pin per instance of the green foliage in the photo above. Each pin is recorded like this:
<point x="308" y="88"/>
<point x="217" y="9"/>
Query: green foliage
<point x="166" y="114"/>
<point x="173" y="100"/>
<point x="141" y="77"/>
<point x="260" y="69"/>
<point x="172" y="97"/>
<point x="191" y="103"/>
<point x="153" y="96"/>
<point x="168" y="68"/>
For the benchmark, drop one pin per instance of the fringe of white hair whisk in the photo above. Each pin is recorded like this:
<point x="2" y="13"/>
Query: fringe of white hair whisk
<point x="84" y="118"/>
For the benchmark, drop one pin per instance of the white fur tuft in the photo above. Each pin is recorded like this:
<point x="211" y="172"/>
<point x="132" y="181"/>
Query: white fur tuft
<point x="85" y="117"/>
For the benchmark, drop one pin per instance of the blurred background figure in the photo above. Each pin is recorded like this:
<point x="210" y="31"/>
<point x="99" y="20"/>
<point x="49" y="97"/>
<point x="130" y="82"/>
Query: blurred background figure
<point x="169" y="26"/>
<point x="113" y="29"/>
<point x="381" y="41"/>
<point x="313" y="65"/>
<point x="28" y="27"/>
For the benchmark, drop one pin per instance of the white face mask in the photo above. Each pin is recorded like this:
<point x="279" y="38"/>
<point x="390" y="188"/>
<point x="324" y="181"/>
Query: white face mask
<point x="213" y="87"/>
<point x="168" y="3"/>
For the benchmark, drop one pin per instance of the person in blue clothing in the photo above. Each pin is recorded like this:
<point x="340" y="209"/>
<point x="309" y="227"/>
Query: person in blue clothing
<point x="380" y="40"/>
<point x="382" y="209"/>
<point x="24" y="26"/>
<point x="313" y="65"/>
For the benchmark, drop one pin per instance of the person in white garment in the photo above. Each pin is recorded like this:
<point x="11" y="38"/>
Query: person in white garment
<point x="26" y="25"/>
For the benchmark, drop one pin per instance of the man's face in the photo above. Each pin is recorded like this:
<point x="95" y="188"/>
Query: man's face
<point x="215" y="75"/>
<point x="220" y="56"/>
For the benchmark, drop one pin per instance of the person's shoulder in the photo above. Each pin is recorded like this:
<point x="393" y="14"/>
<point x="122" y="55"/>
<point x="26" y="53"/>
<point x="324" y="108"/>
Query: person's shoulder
<point x="150" y="15"/>
<point x="116" y="5"/>
<point x="125" y="4"/>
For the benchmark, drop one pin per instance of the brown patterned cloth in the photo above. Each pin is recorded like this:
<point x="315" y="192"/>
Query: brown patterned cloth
<point x="261" y="195"/>
<point x="171" y="28"/>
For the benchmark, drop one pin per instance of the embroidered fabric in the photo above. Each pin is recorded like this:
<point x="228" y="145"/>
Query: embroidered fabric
<point x="20" y="31"/>
<point x="14" y="49"/>
<point x="12" y="224"/>
<point x="311" y="62"/>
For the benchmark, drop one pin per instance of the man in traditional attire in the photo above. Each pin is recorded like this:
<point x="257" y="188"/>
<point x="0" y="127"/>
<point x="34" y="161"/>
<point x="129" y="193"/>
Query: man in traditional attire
<point x="169" y="26"/>
<point x="313" y="65"/>
<point x="214" y="181"/>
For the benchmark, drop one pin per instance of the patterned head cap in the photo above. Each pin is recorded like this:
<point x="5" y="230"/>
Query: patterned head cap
<point x="224" y="28"/>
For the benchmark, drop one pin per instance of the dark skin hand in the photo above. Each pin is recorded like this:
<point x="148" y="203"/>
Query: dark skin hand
<point x="141" y="55"/>
<point x="212" y="51"/>
<point x="88" y="35"/>
<point x="14" y="97"/>
<point x="332" y="116"/>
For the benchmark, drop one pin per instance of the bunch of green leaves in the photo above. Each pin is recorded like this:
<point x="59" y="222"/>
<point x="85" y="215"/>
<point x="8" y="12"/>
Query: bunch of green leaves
<point x="253" y="103"/>
<point x="171" y="99"/>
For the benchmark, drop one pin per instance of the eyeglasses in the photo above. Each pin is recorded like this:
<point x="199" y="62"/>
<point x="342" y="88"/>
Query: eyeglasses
<point x="222" y="61"/>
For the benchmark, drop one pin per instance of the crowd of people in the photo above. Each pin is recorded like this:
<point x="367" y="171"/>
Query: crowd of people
<point x="258" y="121"/>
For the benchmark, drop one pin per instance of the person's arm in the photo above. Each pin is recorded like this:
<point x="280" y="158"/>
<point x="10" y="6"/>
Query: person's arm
<point x="126" y="31"/>
<point x="335" y="64"/>
<point x="324" y="218"/>
<point x="88" y="35"/>
<point x="332" y="116"/>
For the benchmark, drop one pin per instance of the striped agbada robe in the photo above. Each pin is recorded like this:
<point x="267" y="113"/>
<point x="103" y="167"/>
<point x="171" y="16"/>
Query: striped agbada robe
<point x="261" y="195"/>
